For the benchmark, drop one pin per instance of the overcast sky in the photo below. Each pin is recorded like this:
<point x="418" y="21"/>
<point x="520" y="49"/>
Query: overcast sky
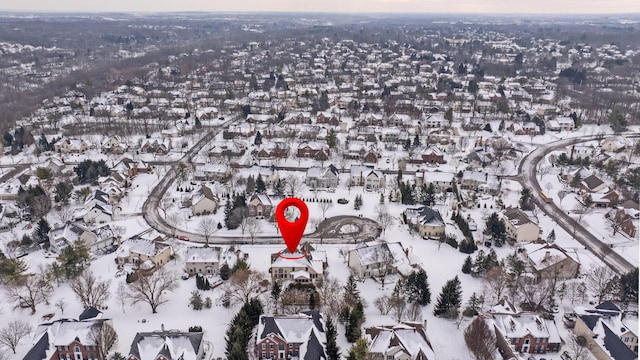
<point x="338" y="6"/>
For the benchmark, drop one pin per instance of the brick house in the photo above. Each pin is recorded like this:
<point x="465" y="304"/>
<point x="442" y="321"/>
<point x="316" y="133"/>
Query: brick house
<point x="525" y="332"/>
<point x="67" y="339"/>
<point x="300" y="336"/>
<point x="260" y="205"/>
<point x="327" y="118"/>
<point x="625" y="220"/>
<point x="313" y="150"/>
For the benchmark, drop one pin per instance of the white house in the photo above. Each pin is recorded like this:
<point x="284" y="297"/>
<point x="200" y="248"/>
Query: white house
<point x="519" y="226"/>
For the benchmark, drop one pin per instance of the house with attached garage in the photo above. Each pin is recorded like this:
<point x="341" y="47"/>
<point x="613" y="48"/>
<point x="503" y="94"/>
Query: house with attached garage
<point x="611" y="333"/>
<point x="262" y="205"/>
<point x="427" y="221"/>
<point x="167" y="345"/>
<point x="147" y="255"/>
<point x="372" y="258"/>
<point x="524" y="332"/>
<point x="318" y="177"/>
<point x="204" y="201"/>
<point x="68" y="339"/>
<point x="404" y="341"/>
<point x="62" y="236"/>
<point x="550" y="261"/>
<point x="307" y="267"/>
<point x="208" y="260"/>
<point x="519" y="227"/>
<point x="300" y="336"/>
<point x="366" y="176"/>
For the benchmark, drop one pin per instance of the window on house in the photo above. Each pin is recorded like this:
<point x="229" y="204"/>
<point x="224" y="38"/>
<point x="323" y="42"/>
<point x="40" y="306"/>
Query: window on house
<point x="264" y="346"/>
<point x="270" y="346"/>
<point x="264" y="355"/>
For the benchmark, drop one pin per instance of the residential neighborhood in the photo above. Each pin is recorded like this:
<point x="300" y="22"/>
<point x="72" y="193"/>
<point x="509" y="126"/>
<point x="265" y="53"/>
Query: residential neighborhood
<point x="472" y="186"/>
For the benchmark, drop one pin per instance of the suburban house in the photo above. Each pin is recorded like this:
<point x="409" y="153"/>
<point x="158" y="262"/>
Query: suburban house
<point x="430" y="155"/>
<point x="625" y="220"/>
<point x="114" y="144"/>
<point x="404" y="341"/>
<point x="366" y="176"/>
<point x="615" y="143"/>
<point x="273" y="149"/>
<point x="207" y="260"/>
<point x="167" y="345"/>
<point x="204" y="201"/>
<point x="98" y="214"/>
<point x="551" y="261"/>
<point x="211" y="172"/>
<point x="155" y="146"/>
<point x="307" y="267"/>
<point x="71" y="146"/>
<point x="62" y="236"/>
<point x="603" y="198"/>
<point x="524" y="332"/>
<point x="592" y="184"/>
<point x="318" y="177"/>
<point x="148" y="255"/>
<point x="440" y="180"/>
<point x="480" y="182"/>
<point x="261" y="205"/>
<point x="67" y="339"/>
<point x="324" y="117"/>
<point x="313" y="150"/>
<point x="131" y="167"/>
<point x="300" y="336"/>
<point x="372" y="258"/>
<point x="520" y="228"/>
<point x="607" y="333"/>
<point x="426" y="220"/>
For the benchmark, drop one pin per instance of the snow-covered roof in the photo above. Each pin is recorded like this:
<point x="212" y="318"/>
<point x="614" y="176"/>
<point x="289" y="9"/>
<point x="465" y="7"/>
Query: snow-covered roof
<point x="170" y="345"/>
<point x="522" y="324"/>
<point x="410" y="338"/>
<point x="202" y="254"/>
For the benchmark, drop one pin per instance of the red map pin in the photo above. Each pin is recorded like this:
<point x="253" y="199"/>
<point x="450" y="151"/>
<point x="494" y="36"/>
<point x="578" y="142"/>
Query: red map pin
<point x="292" y="231"/>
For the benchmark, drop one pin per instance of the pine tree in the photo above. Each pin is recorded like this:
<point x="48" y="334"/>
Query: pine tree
<point x="351" y="292"/>
<point x="260" y="185"/>
<point x="196" y="300"/>
<point x="416" y="287"/>
<point x="332" y="349"/>
<point x="225" y="272"/>
<point x="258" y="139"/>
<point x="466" y="267"/>
<point x="42" y="231"/>
<point x="251" y="185"/>
<point x="449" y="299"/>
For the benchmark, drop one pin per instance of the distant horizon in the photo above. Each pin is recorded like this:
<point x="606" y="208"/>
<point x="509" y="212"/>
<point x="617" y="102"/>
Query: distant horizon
<point x="348" y="7"/>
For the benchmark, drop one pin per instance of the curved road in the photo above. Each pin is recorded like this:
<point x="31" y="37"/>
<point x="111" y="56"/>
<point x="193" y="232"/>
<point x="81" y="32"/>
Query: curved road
<point x="329" y="231"/>
<point x="527" y="173"/>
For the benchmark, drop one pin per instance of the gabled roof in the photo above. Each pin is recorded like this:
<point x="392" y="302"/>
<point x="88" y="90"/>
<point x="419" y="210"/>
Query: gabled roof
<point x="170" y="344"/>
<point x="615" y="346"/>
<point x="409" y="338"/>
<point x="592" y="182"/>
<point x="306" y="329"/>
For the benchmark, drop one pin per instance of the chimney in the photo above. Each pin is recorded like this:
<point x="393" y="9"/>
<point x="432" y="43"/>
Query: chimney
<point x="162" y="327"/>
<point x="547" y="255"/>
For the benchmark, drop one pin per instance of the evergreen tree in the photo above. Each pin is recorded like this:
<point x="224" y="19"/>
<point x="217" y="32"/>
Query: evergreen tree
<point x="416" y="287"/>
<point x="359" y="350"/>
<point x="496" y="228"/>
<point x="449" y="299"/>
<point x="276" y="290"/>
<point x="416" y="141"/>
<point x="225" y="272"/>
<point x="472" y="306"/>
<point x="332" y="349"/>
<point x="351" y="292"/>
<point x="466" y="267"/>
<point x="196" y="300"/>
<point x="260" y="185"/>
<point x="251" y="185"/>
<point x="258" y="139"/>
<point x="331" y="139"/>
<point x="42" y="231"/>
<point x="552" y="236"/>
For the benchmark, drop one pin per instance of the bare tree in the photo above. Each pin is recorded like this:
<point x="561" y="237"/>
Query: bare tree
<point x="414" y="312"/>
<point x="600" y="280"/>
<point x="164" y="204"/>
<point x="253" y="226"/>
<point x="294" y="185"/>
<point x="31" y="292"/>
<point x="174" y="220"/>
<point x="497" y="282"/>
<point x="90" y="290"/>
<point x="207" y="225"/>
<point x="383" y="304"/>
<point x="579" y="348"/>
<point x="65" y="214"/>
<point x="153" y="289"/>
<point x="61" y="304"/>
<point x="535" y="294"/>
<point x="122" y="295"/>
<point x="104" y="336"/>
<point x="324" y="207"/>
<point x="383" y="217"/>
<point x="118" y="231"/>
<point x="245" y="285"/>
<point x="398" y="306"/>
<point x="383" y="264"/>
<point x="330" y="296"/>
<point x="480" y="339"/>
<point x="11" y="334"/>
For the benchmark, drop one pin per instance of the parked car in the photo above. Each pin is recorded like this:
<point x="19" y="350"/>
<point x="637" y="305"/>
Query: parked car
<point x="183" y="238"/>
<point x="343" y="201"/>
